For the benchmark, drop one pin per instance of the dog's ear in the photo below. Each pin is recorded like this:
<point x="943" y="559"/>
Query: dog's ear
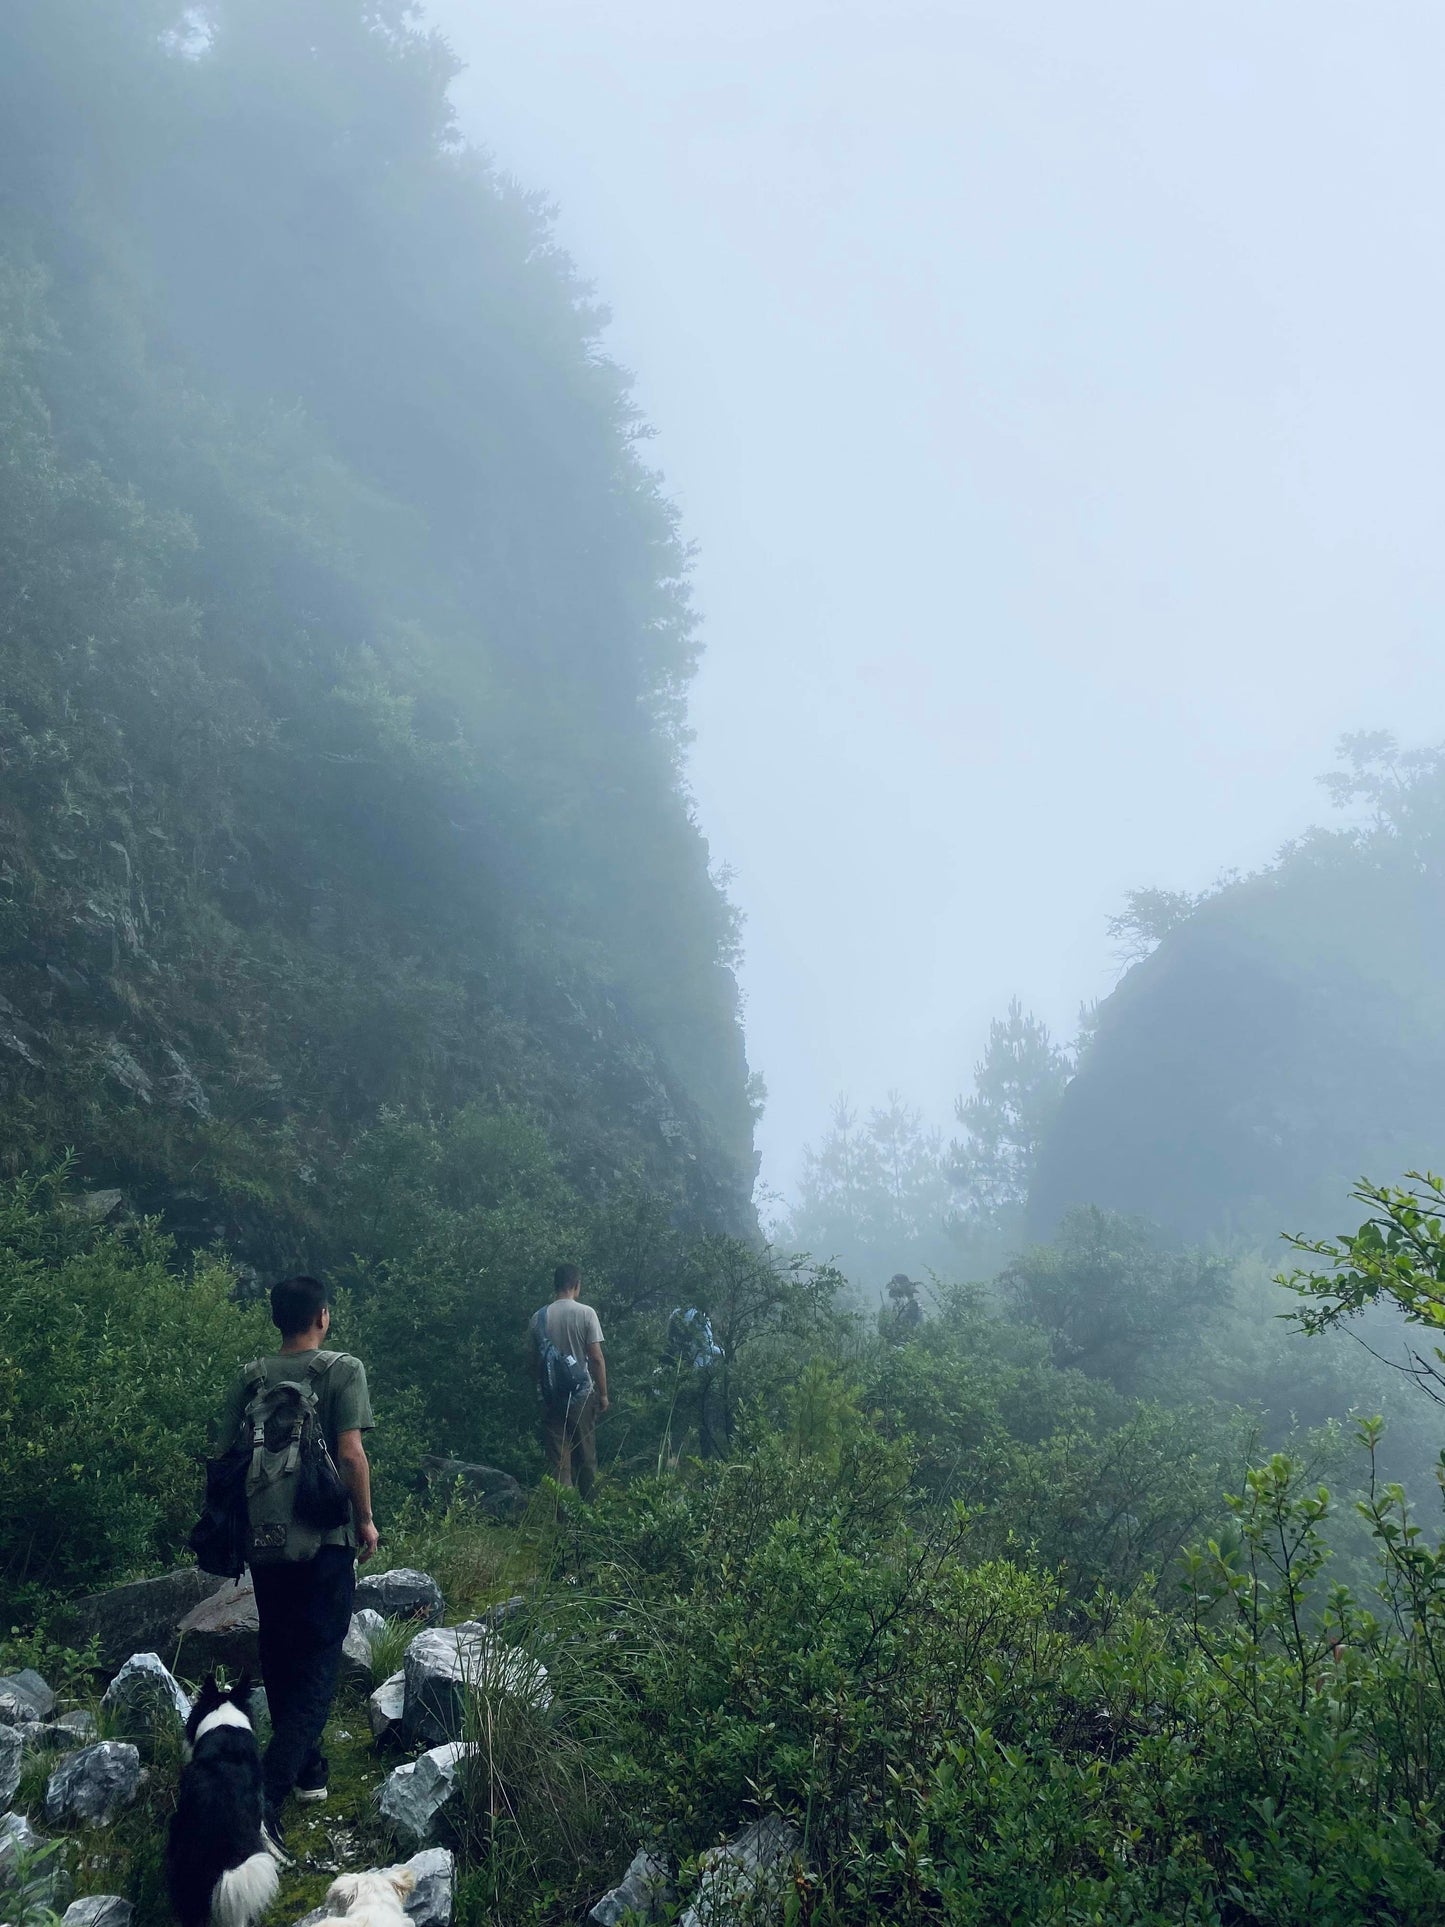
<point x="344" y="1889"/>
<point x="210" y="1695"/>
<point x="241" y="1692"/>
<point x="402" y="1879"/>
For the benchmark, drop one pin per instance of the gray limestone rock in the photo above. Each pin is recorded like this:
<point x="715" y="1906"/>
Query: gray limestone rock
<point x="223" y="1629"/>
<point x="32" y="1871"/>
<point x="140" y="1617"/>
<point x="403" y="1594"/>
<point x="356" y="1647"/>
<point x="12" y="1754"/>
<point x="643" y="1893"/>
<point x="385" y="1708"/>
<point x="747" y="1879"/>
<point x="145" y="1695"/>
<point x="495" y="1491"/>
<point x="53" y="1736"/>
<point x="446" y="1664"/>
<point x="94" y="1784"/>
<point x="98" y="1910"/>
<point x="415" y="1798"/>
<point x="25" y="1696"/>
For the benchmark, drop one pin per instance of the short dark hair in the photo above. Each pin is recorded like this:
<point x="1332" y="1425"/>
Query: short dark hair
<point x="565" y="1277"/>
<point x="296" y="1304"/>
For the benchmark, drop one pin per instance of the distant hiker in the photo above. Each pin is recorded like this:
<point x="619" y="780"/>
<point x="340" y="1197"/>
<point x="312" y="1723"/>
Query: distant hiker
<point x="571" y="1380"/>
<point x="907" y="1312"/>
<point x="301" y="1413"/>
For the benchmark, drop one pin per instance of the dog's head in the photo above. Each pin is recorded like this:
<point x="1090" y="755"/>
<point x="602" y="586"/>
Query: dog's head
<point x="218" y="1705"/>
<point x="390" y="1884"/>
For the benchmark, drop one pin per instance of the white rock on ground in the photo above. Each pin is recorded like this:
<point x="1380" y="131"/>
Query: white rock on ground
<point x="356" y="1647"/>
<point x="429" y="1904"/>
<point x="12" y="1753"/>
<point x="746" y="1879"/>
<point x="25" y="1696"/>
<point x="445" y="1665"/>
<point x="146" y="1694"/>
<point x="403" y="1594"/>
<point x="414" y="1798"/>
<point x="385" y="1706"/>
<point x="98" y="1910"/>
<point x="643" y="1893"/>
<point x="94" y="1784"/>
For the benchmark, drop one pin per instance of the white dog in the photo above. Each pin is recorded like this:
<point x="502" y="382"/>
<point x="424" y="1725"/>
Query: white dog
<point x="369" y="1899"/>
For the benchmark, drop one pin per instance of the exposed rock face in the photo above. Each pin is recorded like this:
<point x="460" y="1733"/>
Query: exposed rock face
<point x="94" y="1784"/>
<point x="146" y="1695"/>
<point x="98" y="1910"/>
<point x="403" y="1594"/>
<point x="223" y="1629"/>
<point x="25" y="1696"/>
<point x="495" y="1491"/>
<point x="445" y="1665"/>
<point x="386" y="1706"/>
<point x="12" y="1752"/>
<point x="356" y="1647"/>
<point x="47" y="1883"/>
<point x="415" y="1798"/>
<point x="643" y="1893"/>
<point x="429" y="1904"/>
<point x="747" y="1879"/>
<point x="139" y="1618"/>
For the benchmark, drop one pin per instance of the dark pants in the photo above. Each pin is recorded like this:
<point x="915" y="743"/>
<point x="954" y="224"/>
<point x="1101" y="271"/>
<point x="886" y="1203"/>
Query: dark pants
<point x="570" y="1439"/>
<point x="305" y="1610"/>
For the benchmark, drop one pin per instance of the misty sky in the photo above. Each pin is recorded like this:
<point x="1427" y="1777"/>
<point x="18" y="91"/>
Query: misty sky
<point x="1054" y="393"/>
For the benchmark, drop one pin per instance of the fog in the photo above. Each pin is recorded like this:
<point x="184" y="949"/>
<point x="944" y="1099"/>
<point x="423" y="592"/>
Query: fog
<point x="1054" y="396"/>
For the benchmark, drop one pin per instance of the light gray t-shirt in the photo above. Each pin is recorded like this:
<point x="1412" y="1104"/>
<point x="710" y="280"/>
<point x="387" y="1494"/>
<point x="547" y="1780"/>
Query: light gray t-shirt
<point x="572" y="1327"/>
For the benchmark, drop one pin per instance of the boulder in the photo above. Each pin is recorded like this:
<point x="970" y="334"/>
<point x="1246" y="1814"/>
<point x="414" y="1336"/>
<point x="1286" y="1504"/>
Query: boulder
<point x="415" y="1799"/>
<point x="53" y="1736"/>
<point x="94" y="1784"/>
<point x="504" y="1610"/>
<point x="748" y="1878"/>
<point x="429" y="1904"/>
<point x="32" y="1872"/>
<point x="385" y="1708"/>
<point x="403" y="1594"/>
<point x="222" y="1630"/>
<point x="25" y="1696"/>
<point x="12" y="1753"/>
<point x="356" y="1647"/>
<point x="145" y="1696"/>
<point x="141" y="1617"/>
<point x="98" y="1910"/>
<point x="644" y="1893"/>
<point x="495" y="1491"/>
<point x="445" y="1665"/>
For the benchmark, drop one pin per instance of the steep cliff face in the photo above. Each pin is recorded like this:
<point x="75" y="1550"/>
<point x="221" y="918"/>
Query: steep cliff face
<point x="344" y="638"/>
<point x="1284" y="1039"/>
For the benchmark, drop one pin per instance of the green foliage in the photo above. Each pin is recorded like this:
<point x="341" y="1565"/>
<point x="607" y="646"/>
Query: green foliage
<point x="112" y="1362"/>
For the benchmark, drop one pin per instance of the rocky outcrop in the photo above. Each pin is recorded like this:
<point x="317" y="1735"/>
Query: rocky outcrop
<point x="443" y="1667"/>
<point x="223" y="1629"/>
<point x="24" y="1696"/>
<point x="496" y="1492"/>
<point x="418" y="1800"/>
<point x="94" y="1784"/>
<point x="748" y="1878"/>
<point x="643" y="1894"/>
<point x="145" y="1696"/>
<point x="402" y="1594"/>
<point x="141" y="1617"/>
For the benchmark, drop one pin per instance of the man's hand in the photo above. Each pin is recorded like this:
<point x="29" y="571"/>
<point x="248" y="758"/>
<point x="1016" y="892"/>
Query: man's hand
<point x="604" y="1402"/>
<point x="367" y="1540"/>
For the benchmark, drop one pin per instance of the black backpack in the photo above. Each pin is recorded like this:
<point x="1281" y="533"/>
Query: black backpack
<point x="566" y="1380"/>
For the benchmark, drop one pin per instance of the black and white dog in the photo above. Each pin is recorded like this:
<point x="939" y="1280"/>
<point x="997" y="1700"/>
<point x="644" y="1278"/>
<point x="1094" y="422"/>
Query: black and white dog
<point x="218" y="1866"/>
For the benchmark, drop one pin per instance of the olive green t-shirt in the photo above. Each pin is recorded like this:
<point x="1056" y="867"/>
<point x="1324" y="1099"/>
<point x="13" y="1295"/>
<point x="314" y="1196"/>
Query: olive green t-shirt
<point x="343" y="1404"/>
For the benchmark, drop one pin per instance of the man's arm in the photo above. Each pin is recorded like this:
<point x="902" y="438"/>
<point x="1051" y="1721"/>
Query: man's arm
<point x="599" y="1373"/>
<point x="356" y="1476"/>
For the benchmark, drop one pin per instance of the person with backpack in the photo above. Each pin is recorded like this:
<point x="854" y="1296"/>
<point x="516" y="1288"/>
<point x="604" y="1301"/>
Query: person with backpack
<point x="571" y="1380"/>
<point x="300" y="1415"/>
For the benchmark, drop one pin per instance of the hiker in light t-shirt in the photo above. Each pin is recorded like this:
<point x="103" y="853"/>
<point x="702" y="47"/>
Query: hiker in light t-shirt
<point x="569" y="1429"/>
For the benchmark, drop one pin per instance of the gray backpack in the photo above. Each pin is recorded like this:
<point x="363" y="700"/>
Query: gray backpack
<point x="295" y="1500"/>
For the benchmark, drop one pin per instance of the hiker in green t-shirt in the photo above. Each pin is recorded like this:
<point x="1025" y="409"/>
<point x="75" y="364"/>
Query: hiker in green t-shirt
<point x="304" y="1589"/>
